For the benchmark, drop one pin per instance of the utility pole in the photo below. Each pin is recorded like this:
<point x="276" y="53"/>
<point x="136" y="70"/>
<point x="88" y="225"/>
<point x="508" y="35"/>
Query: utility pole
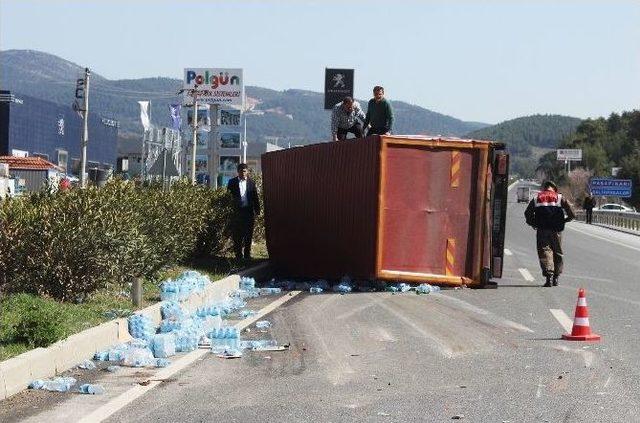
<point x="194" y="122"/>
<point x="244" y="139"/>
<point x="85" y="131"/>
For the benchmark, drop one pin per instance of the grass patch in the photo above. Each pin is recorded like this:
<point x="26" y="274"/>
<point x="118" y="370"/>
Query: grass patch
<point x="28" y="321"/>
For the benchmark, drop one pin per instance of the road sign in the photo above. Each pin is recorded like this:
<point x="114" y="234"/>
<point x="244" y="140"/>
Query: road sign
<point x="611" y="187"/>
<point x="214" y="86"/>
<point x="570" y="154"/>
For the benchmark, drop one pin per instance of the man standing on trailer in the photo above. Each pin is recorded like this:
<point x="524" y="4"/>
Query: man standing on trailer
<point x="546" y="214"/>
<point x="379" y="114"/>
<point x="345" y="118"/>
<point x="247" y="206"/>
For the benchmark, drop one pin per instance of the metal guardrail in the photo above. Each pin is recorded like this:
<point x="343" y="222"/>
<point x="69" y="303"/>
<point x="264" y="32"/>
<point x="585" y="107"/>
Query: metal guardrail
<point x="623" y="220"/>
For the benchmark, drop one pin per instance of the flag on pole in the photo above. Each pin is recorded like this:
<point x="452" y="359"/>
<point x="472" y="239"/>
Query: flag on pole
<point x="176" y="120"/>
<point x="144" y="114"/>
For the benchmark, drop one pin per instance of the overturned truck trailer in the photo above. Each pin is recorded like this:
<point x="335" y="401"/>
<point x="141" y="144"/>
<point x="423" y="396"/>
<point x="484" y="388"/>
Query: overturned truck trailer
<point x="396" y="208"/>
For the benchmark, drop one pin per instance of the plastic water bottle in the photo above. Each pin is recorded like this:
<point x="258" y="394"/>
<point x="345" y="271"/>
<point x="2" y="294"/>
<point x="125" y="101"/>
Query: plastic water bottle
<point x="88" y="388"/>
<point x="315" y="290"/>
<point x="263" y="324"/>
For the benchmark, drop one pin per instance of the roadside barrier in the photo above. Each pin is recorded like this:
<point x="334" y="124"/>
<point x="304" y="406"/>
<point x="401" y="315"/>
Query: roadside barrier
<point x="581" y="330"/>
<point x="628" y="221"/>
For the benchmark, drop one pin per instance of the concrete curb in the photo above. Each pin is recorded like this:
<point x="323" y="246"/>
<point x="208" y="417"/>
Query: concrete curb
<point x="16" y="373"/>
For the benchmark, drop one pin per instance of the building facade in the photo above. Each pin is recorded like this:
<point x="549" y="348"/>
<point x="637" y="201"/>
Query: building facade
<point x="34" y="127"/>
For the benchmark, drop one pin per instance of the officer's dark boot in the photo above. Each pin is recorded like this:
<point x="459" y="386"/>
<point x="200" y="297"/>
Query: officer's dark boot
<point x="548" y="283"/>
<point x="555" y="280"/>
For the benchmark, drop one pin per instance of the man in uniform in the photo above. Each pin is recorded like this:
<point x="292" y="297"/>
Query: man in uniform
<point x="546" y="214"/>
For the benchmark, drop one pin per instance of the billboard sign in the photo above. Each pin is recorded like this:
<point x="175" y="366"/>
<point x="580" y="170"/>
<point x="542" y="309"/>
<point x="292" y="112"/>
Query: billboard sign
<point x="574" y="155"/>
<point x="611" y="187"/>
<point x="230" y="117"/>
<point x="214" y="86"/>
<point x="229" y="140"/>
<point x="338" y="84"/>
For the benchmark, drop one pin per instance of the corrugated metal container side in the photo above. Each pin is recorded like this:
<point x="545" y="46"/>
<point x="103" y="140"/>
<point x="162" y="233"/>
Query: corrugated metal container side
<point x="321" y="209"/>
<point x="432" y="210"/>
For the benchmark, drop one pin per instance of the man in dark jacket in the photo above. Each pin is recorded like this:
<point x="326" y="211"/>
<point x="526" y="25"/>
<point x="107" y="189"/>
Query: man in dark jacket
<point x="247" y="205"/>
<point x="379" y="114"/>
<point x="588" y="205"/>
<point x="546" y="214"/>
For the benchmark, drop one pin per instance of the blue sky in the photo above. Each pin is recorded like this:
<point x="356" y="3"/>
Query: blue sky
<point x="475" y="60"/>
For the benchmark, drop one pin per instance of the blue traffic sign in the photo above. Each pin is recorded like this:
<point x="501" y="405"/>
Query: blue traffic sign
<point x="611" y="187"/>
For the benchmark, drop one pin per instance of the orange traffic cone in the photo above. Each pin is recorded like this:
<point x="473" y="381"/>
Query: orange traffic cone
<point x="581" y="330"/>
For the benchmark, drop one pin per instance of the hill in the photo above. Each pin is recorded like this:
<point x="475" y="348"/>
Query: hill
<point x="293" y="115"/>
<point x="521" y="134"/>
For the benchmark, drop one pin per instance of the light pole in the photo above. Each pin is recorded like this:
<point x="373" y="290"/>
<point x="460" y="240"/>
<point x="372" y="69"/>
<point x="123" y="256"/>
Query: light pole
<point x="194" y="126"/>
<point x="244" y="140"/>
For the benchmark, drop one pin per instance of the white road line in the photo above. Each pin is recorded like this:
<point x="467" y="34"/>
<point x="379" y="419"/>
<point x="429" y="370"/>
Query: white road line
<point x="603" y="238"/>
<point x="563" y="319"/>
<point x="507" y="252"/>
<point x="122" y="400"/>
<point x="526" y="275"/>
<point x="607" y="382"/>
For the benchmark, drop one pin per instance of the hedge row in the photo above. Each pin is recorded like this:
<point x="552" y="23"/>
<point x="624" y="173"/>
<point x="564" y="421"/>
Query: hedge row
<point x="67" y="245"/>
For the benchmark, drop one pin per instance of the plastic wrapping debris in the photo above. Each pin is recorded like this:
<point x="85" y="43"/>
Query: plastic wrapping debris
<point x="113" y="369"/>
<point x="257" y="344"/>
<point x="425" y="288"/>
<point x="315" y="290"/>
<point x="163" y="345"/>
<point x="342" y="288"/>
<point x="180" y="288"/>
<point x="101" y="355"/>
<point x="138" y="356"/>
<point x="117" y="353"/>
<point x="88" y="388"/>
<point x="270" y="291"/>
<point x="226" y="338"/>
<point x="391" y="288"/>
<point x="263" y="324"/>
<point x="172" y="310"/>
<point x="404" y="287"/>
<point x="58" y="384"/>
<point x="162" y="362"/>
<point x="87" y="365"/>
<point x="247" y="284"/>
<point x="141" y="326"/>
<point x="247" y="313"/>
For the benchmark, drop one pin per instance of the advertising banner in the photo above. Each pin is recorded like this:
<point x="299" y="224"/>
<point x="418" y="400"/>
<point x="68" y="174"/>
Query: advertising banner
<point x="570" y="154"/>
<point x="204" y="121"/>
<point x="229" y="117"/>
<point x="202" y="139"/>
<point x="214" y="86"/>
<point x="338" y="84"/>
<point x="611" y="187"/>
<point x="229" y="164"/>
<point x="201" y="163"/>
<point x="229" y="140"/>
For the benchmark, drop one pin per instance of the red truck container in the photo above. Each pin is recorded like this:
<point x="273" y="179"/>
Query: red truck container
<point x="396" y="208"/>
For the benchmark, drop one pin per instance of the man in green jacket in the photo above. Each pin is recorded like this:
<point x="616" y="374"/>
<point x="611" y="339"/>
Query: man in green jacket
<point x="379" y="114"/>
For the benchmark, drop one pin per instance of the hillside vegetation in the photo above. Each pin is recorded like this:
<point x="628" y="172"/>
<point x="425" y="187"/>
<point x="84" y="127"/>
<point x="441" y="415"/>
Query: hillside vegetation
<point x="528" y="136"/>
<point x="605" y="143"/>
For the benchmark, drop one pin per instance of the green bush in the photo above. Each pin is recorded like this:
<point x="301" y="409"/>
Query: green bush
<point x="68" y="245"/>
<point x="31" y="320"/>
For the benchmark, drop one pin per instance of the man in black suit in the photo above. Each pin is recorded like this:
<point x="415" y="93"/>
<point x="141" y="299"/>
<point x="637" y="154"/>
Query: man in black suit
<point x="247" y="206"/>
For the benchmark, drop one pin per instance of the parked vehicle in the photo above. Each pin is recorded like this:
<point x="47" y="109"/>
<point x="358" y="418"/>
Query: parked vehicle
<point x="612" y="207"/>
<point x="523" y="194"/>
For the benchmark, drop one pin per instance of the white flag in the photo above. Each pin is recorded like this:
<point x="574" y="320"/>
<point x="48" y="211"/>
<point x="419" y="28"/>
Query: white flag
<point x="144" y="114"/>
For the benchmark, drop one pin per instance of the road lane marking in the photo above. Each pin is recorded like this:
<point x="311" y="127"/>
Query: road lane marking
<point x="540" y="386"/>
<point x="499" y="319"/>
<point x="122" y="400"/>
<point x="603" y="238"/>
<point x="607" y="382"/>
<point x="507" y="252"/>
<point x="563" y="319"/>
<point x="526" y="275"/>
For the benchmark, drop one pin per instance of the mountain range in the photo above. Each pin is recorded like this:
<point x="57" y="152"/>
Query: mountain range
<point x="295" y="116"/>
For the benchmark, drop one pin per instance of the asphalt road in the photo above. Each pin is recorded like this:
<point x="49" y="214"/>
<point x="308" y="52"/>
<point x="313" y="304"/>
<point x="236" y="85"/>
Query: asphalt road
<point x="487" y="355"/>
